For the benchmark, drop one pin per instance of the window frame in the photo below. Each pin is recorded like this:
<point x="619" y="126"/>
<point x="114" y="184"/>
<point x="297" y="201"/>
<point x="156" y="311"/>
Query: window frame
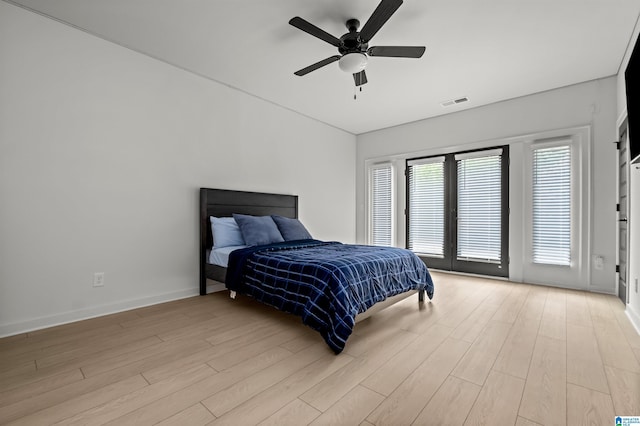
<point x="574" y="274"/>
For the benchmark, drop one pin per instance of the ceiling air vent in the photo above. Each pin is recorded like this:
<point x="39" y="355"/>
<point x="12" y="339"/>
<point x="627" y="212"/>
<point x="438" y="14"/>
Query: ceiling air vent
<point x="454" y="101"/>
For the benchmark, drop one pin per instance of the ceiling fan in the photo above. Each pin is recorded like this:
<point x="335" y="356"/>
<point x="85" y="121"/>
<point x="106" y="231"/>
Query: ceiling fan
<point x="354" y="46"/>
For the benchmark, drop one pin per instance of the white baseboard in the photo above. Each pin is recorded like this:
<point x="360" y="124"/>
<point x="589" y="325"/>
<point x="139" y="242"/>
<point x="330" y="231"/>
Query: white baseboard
<point x="634" y="317"/>
<point x="602" y="290"/>
<point x="92" y="312"/>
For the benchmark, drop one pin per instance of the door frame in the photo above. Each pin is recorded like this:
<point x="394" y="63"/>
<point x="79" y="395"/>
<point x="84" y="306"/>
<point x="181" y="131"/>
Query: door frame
<point x="450" y="262"/>
<point x="622" y="268"/>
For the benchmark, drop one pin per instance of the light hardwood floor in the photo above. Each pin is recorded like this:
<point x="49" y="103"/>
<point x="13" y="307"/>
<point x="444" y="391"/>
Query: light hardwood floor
<point x="482" y="352"/>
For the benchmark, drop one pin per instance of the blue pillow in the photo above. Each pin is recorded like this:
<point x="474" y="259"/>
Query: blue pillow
<point x="226" y="232"/>
<point x="258" y="230"/>
<point x="291" y="229"/>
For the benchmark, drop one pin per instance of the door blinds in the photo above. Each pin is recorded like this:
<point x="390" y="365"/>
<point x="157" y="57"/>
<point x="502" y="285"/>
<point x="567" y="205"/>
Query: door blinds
<point x="479" y="209"/>
<point x="426" y="206"/>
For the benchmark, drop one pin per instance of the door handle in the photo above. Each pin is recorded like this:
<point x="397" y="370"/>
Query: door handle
<point x="624" y="219"/>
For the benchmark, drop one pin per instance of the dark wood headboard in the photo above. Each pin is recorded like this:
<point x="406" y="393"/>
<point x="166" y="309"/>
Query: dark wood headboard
<point x="223" y="203"/>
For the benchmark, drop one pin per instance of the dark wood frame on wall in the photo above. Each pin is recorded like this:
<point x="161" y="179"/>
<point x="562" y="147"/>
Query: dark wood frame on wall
<point x="223" y="203"/>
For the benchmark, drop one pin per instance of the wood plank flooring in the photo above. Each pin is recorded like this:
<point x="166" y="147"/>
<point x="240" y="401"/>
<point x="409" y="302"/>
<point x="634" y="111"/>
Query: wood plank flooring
<point x="482" y="352"/>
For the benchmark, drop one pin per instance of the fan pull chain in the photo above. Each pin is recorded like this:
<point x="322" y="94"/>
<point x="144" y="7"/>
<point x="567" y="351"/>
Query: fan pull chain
<point x="355" y="91"/>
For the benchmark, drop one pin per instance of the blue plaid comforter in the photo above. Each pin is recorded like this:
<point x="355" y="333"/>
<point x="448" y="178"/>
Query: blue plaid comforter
<point x="325" y="283"/>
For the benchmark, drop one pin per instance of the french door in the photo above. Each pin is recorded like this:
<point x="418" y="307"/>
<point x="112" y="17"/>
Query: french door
<point x="458" y="211"/>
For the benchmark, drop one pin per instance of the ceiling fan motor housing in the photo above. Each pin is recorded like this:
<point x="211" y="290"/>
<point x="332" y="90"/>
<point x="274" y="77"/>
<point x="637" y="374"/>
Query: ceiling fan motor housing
<point x="350" y="42"/>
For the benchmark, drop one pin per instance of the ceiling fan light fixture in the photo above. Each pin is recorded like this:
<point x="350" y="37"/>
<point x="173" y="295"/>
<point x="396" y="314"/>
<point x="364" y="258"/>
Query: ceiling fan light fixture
<point x="353" y="62"/>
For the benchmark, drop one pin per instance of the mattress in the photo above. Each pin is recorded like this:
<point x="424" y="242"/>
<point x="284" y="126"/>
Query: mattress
<point x="220" y="256"/>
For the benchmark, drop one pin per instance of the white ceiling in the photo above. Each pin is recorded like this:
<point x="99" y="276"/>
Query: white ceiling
<point x="488" y="50"/>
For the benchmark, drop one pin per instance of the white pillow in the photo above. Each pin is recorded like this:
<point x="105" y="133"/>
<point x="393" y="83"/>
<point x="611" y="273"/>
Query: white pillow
<point x="226" y="232"/>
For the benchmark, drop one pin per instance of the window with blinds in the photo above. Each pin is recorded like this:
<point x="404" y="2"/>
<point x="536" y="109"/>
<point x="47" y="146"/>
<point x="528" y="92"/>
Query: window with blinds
<point x="479" y="210"/>
<point x="551" y="216"/>
<point x="381" y="205"/>
<point x="426" y="206"/>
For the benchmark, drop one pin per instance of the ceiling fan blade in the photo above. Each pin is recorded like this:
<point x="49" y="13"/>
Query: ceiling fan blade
<point x="383" y="12"/>
<point x="397" y="51"/>
<point x="360" y="78"/>
<point x="309" y="28"/>
<point x="317" y="65"/>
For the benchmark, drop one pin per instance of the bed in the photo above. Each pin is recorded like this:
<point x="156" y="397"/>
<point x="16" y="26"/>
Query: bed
<point x="328" y="284"/>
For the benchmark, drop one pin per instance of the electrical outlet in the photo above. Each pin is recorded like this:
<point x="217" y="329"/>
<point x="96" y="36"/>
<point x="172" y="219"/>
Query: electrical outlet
<point x="98" y="279"/>
<point x="599" y="262"/>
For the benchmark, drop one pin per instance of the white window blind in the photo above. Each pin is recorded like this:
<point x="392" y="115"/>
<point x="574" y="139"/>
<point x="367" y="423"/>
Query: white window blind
<point x="381" y="205"/>
<point x="426" y="206"/>
<point x="479" y="206"/>
<point x="552" y="205"/>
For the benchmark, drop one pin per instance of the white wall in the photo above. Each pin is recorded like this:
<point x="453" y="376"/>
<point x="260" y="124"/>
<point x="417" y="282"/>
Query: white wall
<point x="591" y="104"/>
<point x="633" y="304"/>
<point x="102" y="152"/>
